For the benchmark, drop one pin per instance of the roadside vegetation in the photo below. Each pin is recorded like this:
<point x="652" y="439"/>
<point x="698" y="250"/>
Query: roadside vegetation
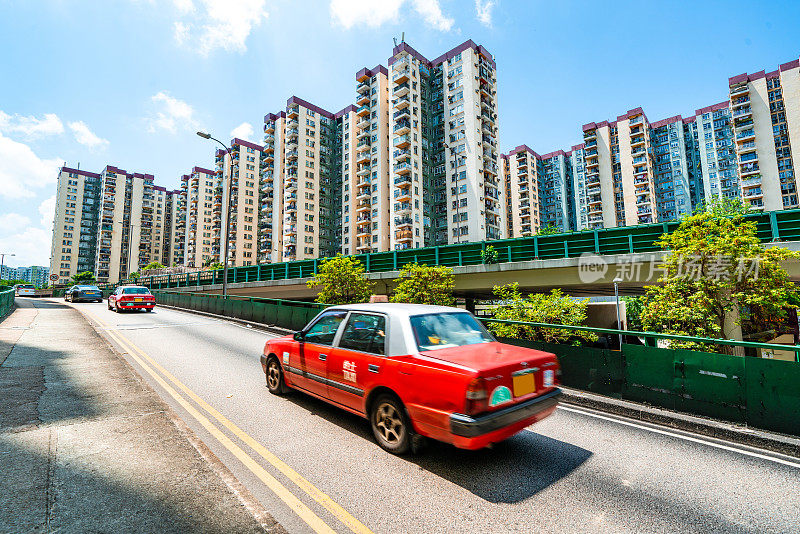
<point x="341" y="280"/>
<point x="421" y="284"/>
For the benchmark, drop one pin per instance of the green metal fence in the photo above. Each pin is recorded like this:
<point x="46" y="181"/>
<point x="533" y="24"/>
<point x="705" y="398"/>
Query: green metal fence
<point x="760" y="392"/>
<point x="6" y="300"/>
<point x="290" y="314"/>
<point x="771" y="226"/>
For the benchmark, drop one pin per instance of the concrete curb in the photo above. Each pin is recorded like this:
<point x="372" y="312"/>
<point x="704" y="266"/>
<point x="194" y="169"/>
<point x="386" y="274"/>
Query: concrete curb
<point x="711" y="428"/>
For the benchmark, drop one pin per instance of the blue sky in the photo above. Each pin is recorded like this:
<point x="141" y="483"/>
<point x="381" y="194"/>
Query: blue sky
<point x="127" y="82"/>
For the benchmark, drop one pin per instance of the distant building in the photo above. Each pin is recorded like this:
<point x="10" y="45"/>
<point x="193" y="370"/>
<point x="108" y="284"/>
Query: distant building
<point x="35" y="274"/>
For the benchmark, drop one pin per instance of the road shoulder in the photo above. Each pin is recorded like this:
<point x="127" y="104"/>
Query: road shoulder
<point x="87" y="445"/>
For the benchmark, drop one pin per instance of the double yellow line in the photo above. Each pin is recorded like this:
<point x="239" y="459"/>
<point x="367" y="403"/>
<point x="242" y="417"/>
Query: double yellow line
<point x="304" y="512"/>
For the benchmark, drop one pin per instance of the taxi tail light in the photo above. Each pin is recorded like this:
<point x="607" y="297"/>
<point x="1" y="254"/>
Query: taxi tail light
<point x="476" y="398"/>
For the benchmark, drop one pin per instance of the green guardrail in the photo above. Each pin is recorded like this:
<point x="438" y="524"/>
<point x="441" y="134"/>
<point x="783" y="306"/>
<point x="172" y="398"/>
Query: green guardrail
<point x="761" y="392"/>
<point x="6" y="300"/>
<point x="771" y="226"/>
<point x="289" y="314"/>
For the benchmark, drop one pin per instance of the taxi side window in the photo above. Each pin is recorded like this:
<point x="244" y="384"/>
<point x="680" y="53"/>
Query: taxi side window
<point x="365" y="333"/>
<point x="324" y="330"/>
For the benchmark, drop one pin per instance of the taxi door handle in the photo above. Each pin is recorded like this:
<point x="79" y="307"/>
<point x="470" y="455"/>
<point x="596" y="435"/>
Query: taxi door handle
<point x="373" y="368"/>
<point x="323" y="357"/>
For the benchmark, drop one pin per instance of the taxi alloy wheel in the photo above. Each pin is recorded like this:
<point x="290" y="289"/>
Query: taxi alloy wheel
<point x="390" y="424"/>
<point x="275" y="378"/>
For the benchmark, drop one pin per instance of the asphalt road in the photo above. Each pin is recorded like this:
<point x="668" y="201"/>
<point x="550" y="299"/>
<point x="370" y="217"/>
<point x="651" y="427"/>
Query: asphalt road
<point x="574" y="472"/>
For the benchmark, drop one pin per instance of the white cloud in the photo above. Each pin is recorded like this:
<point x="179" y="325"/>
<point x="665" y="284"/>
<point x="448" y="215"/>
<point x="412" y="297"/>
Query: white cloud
<point x="12" y="222"/>
<point x="350" y="13"/>
<point x="243" y="131"/>
<point x="47" y="211"/>
<point x="30" y="246"/>
<point x="173" y="114"/>
<point x="181" y="32"/>
<point x="213" y="24"/>
<point x="31" y="127"/>
<point x="483" y="10"/>
<point x="431" y="12"/>
<point x="85" y="136"/>
<point x="22" y="170"/>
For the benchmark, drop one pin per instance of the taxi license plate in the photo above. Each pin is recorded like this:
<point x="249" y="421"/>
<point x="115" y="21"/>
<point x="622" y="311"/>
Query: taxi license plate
<point x="137" y="300"/>
<point x="524" y="382"/>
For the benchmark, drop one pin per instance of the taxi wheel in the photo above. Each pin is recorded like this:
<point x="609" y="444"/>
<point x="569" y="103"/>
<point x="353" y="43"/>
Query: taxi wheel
<point x="390" y="425"/>
<point x="275" y="382"/>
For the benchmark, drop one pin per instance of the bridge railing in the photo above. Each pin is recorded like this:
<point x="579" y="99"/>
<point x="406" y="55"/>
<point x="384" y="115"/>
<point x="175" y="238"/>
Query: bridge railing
<point x="6" y="300"/>
<point x="289" y="314"/>
<point x="771" y="226"/>
<point x="760" y="392"/>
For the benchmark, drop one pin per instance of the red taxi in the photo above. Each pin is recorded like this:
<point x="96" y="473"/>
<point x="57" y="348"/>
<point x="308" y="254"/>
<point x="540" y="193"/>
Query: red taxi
<point x="416" y="370"/>
<point x="131" y="298"/>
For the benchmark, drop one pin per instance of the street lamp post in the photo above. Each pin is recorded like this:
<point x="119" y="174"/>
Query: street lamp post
<point x="616" y="296"/>
<point x="3" y="261"/>
<point x="205" y="135"/>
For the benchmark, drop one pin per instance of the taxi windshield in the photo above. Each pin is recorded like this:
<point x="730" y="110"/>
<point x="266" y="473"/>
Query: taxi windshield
<point x="443" y="330"/>
<point x="136" y="291"/>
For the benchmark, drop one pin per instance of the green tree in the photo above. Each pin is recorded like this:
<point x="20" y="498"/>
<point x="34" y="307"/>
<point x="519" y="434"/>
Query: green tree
<point x="548" y="230"/>
<point x="86" y="277"/>
<point x="135" y="275"/>
<point x="719" y="281"/>
<point x="342" y="281"/>
<point x="12" y="282"/>
<point x="634" y="306"/>
<point x="421" y="284"/>
<point x="551" y="308"/>
<point x="153" y="265"/>
<point x="215" y="266"/>
<point x="490" y="255"/>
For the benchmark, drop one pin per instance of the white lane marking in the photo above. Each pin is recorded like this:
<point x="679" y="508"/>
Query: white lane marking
<point x="683" y="437"/>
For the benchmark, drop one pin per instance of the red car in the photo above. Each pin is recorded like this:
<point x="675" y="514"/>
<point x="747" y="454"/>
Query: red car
<point x="416" y="370"/>
<point x="131" y="298"/>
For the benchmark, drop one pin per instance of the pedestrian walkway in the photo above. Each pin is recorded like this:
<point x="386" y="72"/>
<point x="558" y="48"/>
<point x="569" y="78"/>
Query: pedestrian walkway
<point x="87" y="446"/>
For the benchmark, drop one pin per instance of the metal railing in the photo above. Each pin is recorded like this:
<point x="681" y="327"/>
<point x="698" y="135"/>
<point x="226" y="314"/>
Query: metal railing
<point x="771" y="226"/>
<point x="6" y="300"/>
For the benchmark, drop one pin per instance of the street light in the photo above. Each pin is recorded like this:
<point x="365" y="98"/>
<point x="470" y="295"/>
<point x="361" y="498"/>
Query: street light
<point x="3" y="260"/>
<point x="616" y="296"/>
<point x="205" y="135"/>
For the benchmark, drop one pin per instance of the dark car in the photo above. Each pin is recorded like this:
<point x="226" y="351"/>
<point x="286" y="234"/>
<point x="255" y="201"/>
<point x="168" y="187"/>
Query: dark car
<point x="85" y="293"/>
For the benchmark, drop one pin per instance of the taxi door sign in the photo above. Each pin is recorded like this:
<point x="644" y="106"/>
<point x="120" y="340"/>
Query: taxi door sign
<point x="500" y="395"/>
<point x="349" y="370"/>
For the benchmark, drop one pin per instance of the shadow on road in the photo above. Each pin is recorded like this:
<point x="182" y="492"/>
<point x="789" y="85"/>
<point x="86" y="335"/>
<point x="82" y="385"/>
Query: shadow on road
<point x="510" y="472"/>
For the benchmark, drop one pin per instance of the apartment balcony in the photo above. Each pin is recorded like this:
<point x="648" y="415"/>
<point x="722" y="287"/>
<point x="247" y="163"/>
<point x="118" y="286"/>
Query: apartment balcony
<point x="403" y="180"/>
<point x="292" y="133"/>
<point x="364" y="191"/>
<point x="363" y="136"/>
<point x="363" y="230"/>
<point x="362" y="99"/>
<point x="747" y="156"/>
<point x="362" y="157"/>
<point x="402" y="127"/>
<point x="404" y="207"/>
<point x="401" y="102"/>
<point x="363" y="205"/>
<point x="363" y="87"/>
<point x="402" y="194"/>
<point x="487" y="118"/>
<point x="748" y="169"/>
<point x="403" y="114"/>
<point x="399" y="154"/>
<point x="362" y="171"/>
<point x="363" y="247"/>
<point x="293" y="111"/>
<point x="290" y="207"/>
<point x="402" y="74"/>
<point x="401" y="90"/>
<point x="740" y="101"/>
<point x="739" y="90"/>
<point x="362" y="111"/>
<point x="742" y="113"/>
<point x="745" y="135"/>
<point x="291" y="155"/>
<point x="402" y="141"/>
<point x="752" y="193"/>
<point x="404" y="235"/>
<point x="637" y="141"/>
<point x="402" y="168"/>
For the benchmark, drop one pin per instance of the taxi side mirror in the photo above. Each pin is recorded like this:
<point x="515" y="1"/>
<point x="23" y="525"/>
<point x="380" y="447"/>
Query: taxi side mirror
<point x="298" y="336"/>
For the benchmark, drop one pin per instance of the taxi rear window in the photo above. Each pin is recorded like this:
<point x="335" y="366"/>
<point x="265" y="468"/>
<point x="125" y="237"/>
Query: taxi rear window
<point x="136" y="291"/>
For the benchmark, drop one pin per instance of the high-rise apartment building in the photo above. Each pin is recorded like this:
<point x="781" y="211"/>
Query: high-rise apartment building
<point x="519" y="170"/>
<point x="203" y="214"/>
<point x="444" y="139"/>
<point x="238" y="175"/>
<point x="75" y="223"/>
<point x="765" y="108"/>
<point x="367" y="166"/>
<point x="270" y="221"/>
